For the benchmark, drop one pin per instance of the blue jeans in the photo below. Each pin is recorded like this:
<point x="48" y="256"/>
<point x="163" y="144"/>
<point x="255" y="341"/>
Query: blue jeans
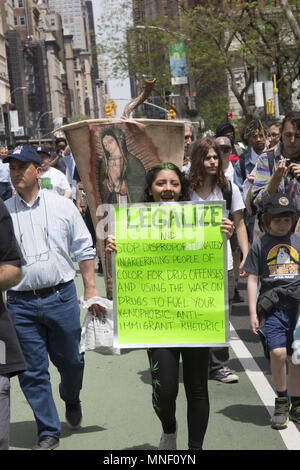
<point x="49" y="325"/>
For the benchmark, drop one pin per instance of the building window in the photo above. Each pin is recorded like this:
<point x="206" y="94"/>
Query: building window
<point x="263" y="75"/>
<point x="21" y="4"/>
<point x="22" y="20"/>
<point x="15" y="20"/>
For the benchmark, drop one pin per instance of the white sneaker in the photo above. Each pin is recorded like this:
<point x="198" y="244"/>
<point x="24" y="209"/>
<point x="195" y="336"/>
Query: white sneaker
<point x="168" y="441"/>
<point x="225" y="375"/>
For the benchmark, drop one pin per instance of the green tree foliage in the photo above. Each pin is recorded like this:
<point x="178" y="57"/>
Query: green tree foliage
<point x="252" y="36"/>
<point x="229" y="42"/>
<point x="79" y="117"/>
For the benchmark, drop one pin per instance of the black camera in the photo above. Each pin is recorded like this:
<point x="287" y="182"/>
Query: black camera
<point x="288" y="161"/>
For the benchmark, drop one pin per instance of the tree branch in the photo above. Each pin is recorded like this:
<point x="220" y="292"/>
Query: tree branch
<point x="291" y="19"/>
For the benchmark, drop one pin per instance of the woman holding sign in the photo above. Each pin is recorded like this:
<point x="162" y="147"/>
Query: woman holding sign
<point x="207" y="183"/>
<point x="166" y="183"/>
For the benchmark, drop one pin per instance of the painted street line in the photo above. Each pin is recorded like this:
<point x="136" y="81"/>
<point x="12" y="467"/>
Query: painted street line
<point x="290" y="435"/>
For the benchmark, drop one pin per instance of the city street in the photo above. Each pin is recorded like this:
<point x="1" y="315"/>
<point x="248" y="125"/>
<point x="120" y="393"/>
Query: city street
<point x="117" y="409"/>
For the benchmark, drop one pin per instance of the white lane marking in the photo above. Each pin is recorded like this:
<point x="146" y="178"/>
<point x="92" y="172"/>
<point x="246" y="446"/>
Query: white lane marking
<point x="290" y="435"/>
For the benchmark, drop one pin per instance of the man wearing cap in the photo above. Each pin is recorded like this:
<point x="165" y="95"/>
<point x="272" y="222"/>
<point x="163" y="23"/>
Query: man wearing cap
<point x="44" y="305"/>
<point x="273" y="267"/>
<point x="51" y="178"/>
<point x="226" y="129"/>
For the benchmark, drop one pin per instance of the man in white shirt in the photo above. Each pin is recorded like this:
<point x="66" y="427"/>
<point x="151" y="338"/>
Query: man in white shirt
<point x="51" y="178"/>
<point x="5" y="181"/>
<point x="44" y="304"/>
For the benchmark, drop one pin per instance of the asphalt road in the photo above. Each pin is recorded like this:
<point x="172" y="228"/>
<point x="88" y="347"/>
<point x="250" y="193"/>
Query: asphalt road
<point x="117" y="410"/>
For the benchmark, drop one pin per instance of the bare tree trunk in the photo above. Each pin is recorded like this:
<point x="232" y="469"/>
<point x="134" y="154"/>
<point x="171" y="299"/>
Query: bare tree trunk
<point x="291" y="19"/>
<point x="240" y="95"/>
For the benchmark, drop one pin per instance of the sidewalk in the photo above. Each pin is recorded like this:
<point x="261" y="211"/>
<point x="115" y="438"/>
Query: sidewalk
<point x="118" y="414"/>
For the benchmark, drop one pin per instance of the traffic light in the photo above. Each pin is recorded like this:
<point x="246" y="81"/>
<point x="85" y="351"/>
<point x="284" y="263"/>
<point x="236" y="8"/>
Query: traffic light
<point x="172" y="112"/>
<point x="114" y="107"/>
<point x="270" y="107"/>
<point x="108" y="109"/>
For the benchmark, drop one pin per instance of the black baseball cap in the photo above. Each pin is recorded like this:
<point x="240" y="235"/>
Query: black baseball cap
<point x="43" y="149"/>
<point x="279" y="203"/>
<point x="24" y="153"/>
<point x="60" y="139"/>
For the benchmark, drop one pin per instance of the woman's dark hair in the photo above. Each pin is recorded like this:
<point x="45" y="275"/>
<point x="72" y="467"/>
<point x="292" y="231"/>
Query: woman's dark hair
<point x="197" y="175"/>
<point x="151" y="175"/>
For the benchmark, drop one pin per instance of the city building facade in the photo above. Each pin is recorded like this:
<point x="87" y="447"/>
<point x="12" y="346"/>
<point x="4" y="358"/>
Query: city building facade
<point x="49" y="71"/>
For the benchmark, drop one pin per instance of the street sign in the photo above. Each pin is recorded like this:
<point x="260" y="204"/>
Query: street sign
<point x="19" y="132"/>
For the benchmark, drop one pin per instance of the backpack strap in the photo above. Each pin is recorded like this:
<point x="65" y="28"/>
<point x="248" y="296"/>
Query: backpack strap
<point x="227" y="194"/>
<point x="243" y="165"/>
<point x="271" y="159"/>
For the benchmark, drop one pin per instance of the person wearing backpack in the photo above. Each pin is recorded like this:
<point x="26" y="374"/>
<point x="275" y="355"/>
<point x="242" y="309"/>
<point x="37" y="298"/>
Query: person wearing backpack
<point x="255" y="136"/>
<point x="274" y="294"/>
<point x="208" y="183"/>
<point x="278" y="170"/>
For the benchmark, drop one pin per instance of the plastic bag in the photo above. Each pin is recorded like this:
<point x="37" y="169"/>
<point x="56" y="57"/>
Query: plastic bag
<point x="296" y="344"/>
<point x="98" y="334"/>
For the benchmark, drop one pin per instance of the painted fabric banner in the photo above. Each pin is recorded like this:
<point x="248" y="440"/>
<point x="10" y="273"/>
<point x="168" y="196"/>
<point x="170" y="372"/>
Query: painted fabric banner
<point x="170" y="275"/>
<point x="113" y="156"/>
<point x="178" y="63"/>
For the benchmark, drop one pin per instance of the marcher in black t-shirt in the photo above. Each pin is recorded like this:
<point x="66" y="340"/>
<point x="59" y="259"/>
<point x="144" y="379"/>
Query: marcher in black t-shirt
<point x="274" y="262"/>
<point x="11" y="357"/>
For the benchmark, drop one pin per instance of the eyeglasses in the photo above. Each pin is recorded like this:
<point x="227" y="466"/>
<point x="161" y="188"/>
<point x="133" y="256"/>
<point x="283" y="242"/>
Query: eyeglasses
<point x="187" y="137"/>
<point x="273" y="135"/>
<point x="43" y="256"/>
<point x="225" y="149"/>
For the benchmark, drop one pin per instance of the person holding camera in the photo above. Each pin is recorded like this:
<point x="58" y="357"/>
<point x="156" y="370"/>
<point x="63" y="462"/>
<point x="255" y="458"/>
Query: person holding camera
<point x="278" y="170"/>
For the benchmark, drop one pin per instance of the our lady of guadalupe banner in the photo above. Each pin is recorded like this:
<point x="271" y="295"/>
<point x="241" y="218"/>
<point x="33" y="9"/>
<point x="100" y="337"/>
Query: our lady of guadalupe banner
<point x="113" y="156"/>
<point x="170" y="275"/>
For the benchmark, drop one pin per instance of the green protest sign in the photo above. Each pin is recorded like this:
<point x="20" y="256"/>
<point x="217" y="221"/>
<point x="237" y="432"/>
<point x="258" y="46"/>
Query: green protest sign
<point x="170" y="275"/>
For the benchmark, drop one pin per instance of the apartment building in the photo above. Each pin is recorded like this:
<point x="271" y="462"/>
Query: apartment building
<point x="48" y="65"/>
